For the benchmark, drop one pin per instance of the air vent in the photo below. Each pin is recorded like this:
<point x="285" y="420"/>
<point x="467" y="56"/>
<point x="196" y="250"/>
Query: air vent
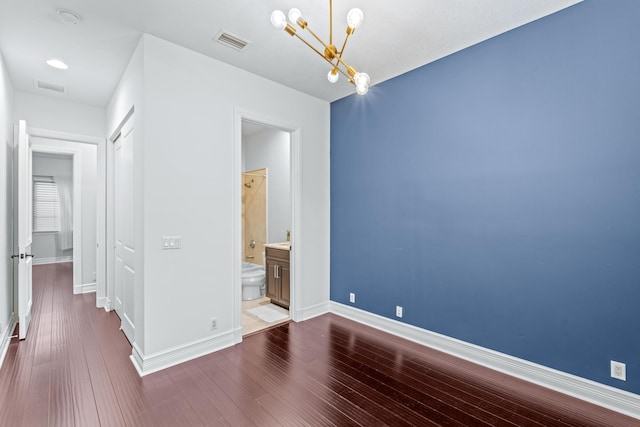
<point x="50" y="86"/>
<point x="231" y="40"/>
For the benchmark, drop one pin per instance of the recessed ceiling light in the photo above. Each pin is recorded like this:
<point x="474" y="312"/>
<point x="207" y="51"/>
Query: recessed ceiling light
<point x="56" y="63"/>
<point x="68" y="16"/>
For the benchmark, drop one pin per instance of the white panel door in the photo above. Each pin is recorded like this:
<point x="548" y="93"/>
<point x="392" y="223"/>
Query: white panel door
<point x="124" y="231"/>
<point x="25" y="223"/>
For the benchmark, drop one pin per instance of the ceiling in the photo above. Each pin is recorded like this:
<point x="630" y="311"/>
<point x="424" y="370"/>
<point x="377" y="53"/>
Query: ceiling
<point x="396" y="37"/>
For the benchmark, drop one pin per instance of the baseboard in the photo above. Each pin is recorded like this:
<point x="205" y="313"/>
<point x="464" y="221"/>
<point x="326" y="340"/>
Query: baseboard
<point x="311" y="312"/>
<point x="52" y="260"/>
<point x="85" y="288"/>
<point x="5" y="338"/>
<point x="103" y="302"/>
<point x="146" y="365"/>
<point x="602" y="395"/>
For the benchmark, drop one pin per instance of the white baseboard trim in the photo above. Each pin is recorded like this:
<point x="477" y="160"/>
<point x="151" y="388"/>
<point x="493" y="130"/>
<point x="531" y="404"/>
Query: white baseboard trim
<point x="146" y="365"/>
<point x="5" y="338"/>
<point x="311" y="312"/>
<point x="237" y="335"/>
<point x="85" y="288"/>
<point x="603" y="395"/>
<point x="52" y="260"/>
<point x="103" y="303"/>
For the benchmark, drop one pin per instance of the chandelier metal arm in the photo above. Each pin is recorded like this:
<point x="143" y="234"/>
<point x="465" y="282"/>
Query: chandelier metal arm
<point x="316" y="37"/>
<point x="343" y="45"/>
<point x="310" y="46"/>
<point x="344" y="73"/>
<point x="336" y="66"/>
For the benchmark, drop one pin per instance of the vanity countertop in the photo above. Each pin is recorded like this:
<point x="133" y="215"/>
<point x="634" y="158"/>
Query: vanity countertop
<point x="284" y="245"/>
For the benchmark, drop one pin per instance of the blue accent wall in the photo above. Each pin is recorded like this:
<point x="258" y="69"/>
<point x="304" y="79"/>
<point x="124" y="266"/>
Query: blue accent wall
<point x="495" y="193"/>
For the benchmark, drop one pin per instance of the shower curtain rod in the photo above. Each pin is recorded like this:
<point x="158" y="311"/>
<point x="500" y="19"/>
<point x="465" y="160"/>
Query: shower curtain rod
<point x="254" y="174"/>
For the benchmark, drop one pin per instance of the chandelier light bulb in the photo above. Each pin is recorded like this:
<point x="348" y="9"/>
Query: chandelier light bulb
<point x="362" y="89"/>
<point x="362" y="79"/>
<point x="278" y="19"/>
<point x="333" y="75"/>
<point x="355" y="17"/>
<point x="294" y="15"/>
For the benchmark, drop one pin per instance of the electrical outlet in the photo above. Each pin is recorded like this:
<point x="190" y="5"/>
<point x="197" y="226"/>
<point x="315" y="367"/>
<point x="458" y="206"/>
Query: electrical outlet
<point x="213" y="323"/>
<point x="94" y="276"/>
<point x="398" y="311"/>
<point x="352" y="297"/>
<point x="618" y="370"/>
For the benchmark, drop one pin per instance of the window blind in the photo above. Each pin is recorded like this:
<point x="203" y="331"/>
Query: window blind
<point x="46" y="206"/>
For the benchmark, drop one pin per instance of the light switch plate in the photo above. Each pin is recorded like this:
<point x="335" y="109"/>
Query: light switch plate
<point x="171" y="242"/>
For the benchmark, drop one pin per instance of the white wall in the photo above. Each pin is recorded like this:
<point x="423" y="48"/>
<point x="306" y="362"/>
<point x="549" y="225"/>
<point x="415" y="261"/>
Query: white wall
<point x="46" y="246"/>
<point x="188" y="180"/>
<point x="59" y="115"/>
<point x="270" y="148"/>
<point x="6" y="205"/>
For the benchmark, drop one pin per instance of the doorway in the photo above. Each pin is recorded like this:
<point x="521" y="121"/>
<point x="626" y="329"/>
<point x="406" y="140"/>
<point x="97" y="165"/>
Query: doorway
<point x="86" y="192"/>
<point x="265" y="271"/>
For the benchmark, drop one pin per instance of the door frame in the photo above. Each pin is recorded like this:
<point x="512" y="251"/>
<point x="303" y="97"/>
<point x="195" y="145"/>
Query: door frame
<point x="100" y="144"/>
<point x="241" y="115"/>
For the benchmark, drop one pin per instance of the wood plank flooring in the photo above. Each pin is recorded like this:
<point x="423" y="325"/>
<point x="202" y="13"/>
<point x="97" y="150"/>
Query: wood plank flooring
<point x="74" y="370"/>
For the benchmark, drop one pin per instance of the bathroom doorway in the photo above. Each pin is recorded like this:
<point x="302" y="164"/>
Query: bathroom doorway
<point x="266" y="226"/>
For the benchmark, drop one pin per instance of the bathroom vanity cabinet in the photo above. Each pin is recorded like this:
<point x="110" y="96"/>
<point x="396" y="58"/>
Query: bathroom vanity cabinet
<point x="277" y="272"/>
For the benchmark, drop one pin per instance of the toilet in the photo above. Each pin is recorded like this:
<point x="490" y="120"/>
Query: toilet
<point x="253" y="286"/>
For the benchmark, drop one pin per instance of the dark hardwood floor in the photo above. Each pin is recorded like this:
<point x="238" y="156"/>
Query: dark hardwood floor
<point x="74" y="370"/>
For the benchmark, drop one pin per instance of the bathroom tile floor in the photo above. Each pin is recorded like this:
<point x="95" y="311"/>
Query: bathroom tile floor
<point x="251" y="323"/>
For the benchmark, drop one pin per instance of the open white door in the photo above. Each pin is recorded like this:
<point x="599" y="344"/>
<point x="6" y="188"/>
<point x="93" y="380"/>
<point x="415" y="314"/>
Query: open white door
<point x="24" y="219"/>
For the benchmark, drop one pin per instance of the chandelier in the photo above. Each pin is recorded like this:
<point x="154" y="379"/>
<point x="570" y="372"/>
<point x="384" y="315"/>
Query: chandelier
<point x="331" y="54"/>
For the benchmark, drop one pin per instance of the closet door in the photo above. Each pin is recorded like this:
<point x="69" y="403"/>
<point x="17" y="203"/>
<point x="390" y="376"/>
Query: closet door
<point x="124" y="229"/>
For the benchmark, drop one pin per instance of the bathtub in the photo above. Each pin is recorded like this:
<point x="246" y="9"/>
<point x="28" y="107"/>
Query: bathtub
<point x="253" y="286"/>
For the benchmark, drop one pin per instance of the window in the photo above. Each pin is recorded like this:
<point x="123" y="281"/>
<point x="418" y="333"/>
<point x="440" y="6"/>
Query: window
<point x="46" y="205"/>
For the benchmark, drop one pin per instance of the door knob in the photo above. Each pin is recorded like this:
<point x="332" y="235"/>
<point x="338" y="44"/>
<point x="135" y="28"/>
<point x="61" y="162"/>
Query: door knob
<point x="252" y="244"/>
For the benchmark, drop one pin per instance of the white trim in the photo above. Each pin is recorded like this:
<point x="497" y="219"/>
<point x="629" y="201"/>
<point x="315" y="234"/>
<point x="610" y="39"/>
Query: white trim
<point x="295" y="132"/>
<point x="599" y="394"/>
<point x="156" y="362"/>
<point x="52" y="260"/>
<point x="5" y="338"/>
<point x="64" y="136"/>
<point x="77" y="200"/>
<point x="103" y="302"/>
<point x="85" y="288"/>
<point x="313" y="311"/>
<point x="101" y="229"/>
